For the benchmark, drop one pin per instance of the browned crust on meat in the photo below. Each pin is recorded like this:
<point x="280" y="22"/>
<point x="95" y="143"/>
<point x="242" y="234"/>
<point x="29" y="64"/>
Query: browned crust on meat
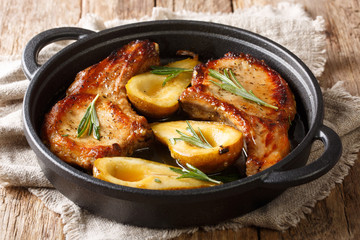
<point x="59" y="132"/>
<point x="122" y="130"/>
<point x="265" y="129"/>
<point x="110" y="76"/>
<point x="281" y="94"/>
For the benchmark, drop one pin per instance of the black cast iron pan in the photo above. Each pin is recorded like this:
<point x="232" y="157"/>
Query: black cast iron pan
<point x="180" y="208"/>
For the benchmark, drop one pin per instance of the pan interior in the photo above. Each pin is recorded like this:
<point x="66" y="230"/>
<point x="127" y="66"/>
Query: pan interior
<point x="57" y="74"/>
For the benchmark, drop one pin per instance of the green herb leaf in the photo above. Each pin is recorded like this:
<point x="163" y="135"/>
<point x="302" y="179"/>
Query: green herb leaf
<point x="194" y="139"/>
<point x="230" y="83"/>
<point x="193" y="172"/>
<point x="172" y="72"/>
<point x="90" y="122"/>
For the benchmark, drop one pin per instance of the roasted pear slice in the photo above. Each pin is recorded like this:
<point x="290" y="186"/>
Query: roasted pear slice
<point x="140" y="173"/>
<point x="226" y="144"/>
<point x="153" y="98"/>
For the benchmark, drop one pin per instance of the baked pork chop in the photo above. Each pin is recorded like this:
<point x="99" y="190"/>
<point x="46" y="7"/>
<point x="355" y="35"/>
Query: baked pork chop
<point x="121" y="130"/>
<point x="265" y="128"/>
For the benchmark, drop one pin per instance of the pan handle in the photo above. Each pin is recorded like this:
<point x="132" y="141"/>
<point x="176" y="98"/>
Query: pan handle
<point x="31" y="52"/>
<point x="331" y="155"/>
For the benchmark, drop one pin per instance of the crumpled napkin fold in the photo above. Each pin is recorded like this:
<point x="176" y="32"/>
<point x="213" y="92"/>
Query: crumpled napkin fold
<point x="287" y="24"/>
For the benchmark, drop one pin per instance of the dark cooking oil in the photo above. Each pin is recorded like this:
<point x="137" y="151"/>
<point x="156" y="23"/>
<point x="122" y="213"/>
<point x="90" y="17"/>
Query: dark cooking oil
<point x="159" y="152"/>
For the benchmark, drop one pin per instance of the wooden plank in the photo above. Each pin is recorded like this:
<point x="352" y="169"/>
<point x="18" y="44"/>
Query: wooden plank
<point x="23" y="216"/>
<point x="123" y="9"/>
<point x="20" y="21"/>
<point x="211" y="6"/>
<point x="343" y="32"/>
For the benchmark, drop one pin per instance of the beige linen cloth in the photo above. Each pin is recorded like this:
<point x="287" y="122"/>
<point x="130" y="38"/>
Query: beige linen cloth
<point x="287" y="24"/>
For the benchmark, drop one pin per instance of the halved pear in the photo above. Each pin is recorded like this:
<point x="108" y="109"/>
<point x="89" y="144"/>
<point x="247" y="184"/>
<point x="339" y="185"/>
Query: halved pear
<point x="147" y="93"/>
<point x="140" y="173"/>
<point x="226" y="142"/>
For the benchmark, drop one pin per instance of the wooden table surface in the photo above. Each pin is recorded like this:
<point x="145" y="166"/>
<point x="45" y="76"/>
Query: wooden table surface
<point x="23" y="216"/>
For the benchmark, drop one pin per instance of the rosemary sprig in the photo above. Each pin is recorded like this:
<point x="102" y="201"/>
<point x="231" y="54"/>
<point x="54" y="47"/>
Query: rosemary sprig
<point x="172" y="72"/>
<point x="193" y="172"/>
<point x="90" y="122"/>
<point x="231" y="84"/>
<point x="194" y="139"/>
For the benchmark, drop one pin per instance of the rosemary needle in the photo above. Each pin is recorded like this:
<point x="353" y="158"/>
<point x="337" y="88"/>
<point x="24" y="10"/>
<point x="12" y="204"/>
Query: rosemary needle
<point x="171" y="72"/>
<point x="194" y="139"/>
<point x="90" y="121"/>
<point x="231" y="84"/>
<point x="193" y="172"/>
